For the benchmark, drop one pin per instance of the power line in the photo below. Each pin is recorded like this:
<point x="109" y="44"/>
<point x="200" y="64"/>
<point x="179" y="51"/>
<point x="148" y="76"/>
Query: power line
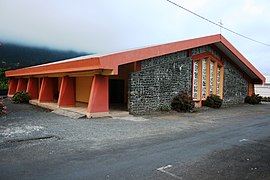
<point x="220" y="25"/>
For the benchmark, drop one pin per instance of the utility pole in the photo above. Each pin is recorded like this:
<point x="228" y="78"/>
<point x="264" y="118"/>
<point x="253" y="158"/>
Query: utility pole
<point x="220" y="25"/>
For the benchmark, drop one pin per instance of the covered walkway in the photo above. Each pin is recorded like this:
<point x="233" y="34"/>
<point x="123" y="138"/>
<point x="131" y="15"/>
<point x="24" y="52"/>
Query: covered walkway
<point x="79" y="108"/>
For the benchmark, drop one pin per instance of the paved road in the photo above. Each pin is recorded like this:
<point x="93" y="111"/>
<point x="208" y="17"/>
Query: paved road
<point x="236" y="148"/>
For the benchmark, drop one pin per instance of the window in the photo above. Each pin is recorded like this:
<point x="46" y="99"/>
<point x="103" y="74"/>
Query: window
<point x="204" y="92"/>
<point x="218" y="80"/>
<point x="211" y="77"/>
<point x="207" y="78"/>
<point x="195" y="79"/>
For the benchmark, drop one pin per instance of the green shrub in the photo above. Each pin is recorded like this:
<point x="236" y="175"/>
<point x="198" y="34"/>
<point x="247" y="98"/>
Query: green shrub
<point x="182" y="102"/>
<point x="3" y="79"/>
<point x="266" y="99"/>
<point x="213" y="101"/>
<point x="165" y="108"/>
<point x="3" y="85"/>
<point x="253" y="99"/>
<point x="21" y="97"/>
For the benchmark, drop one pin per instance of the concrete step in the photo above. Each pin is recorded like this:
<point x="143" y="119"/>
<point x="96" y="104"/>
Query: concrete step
<point x="68" y="113"/>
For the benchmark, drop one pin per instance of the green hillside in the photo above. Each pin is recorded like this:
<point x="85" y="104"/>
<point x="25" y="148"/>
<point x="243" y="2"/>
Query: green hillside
<point x="13" y="56"/>
<point x="17" y="56"/>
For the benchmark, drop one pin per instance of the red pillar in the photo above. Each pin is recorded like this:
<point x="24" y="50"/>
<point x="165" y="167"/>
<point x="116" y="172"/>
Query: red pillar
<point x="22" y="84"/>
<point x="99" y="95"/>
<point x="32" y="88"/>
<point x="67" y="92"/>
<point x="46" y="90"/>
<point x="250" y="88"/>
<point x="12" y="86"/>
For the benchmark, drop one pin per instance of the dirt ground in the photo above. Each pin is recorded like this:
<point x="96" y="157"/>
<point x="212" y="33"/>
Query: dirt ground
<point x="30" y="135"/>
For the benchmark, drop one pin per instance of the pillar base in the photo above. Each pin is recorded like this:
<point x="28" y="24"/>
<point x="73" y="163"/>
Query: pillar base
<point x="98" y="114"/>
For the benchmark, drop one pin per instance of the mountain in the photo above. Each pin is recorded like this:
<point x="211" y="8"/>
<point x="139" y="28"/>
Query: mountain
<point x="13" y="56"/>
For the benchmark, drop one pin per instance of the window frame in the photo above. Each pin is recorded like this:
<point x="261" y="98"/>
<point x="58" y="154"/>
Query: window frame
<point x="217" y="63"/>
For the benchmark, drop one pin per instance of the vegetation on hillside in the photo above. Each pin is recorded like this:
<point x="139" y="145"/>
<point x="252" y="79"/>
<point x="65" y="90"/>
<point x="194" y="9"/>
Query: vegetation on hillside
<point x="3" y="79"/>
<point x="13" y="56"/>
<point x="17" y="56"/>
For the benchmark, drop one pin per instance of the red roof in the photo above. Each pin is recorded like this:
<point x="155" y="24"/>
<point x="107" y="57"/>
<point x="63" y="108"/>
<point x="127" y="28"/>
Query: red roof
<point x="112" y="61"/>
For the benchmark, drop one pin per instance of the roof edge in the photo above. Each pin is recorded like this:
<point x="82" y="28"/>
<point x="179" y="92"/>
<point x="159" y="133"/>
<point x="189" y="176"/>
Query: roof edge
<point x="113" y="60"/>
<point x="224" y="41"/>
<point x="66" y="66"/>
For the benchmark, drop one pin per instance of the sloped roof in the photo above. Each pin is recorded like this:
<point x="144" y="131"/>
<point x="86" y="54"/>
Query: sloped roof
<point x="113" y="60"/>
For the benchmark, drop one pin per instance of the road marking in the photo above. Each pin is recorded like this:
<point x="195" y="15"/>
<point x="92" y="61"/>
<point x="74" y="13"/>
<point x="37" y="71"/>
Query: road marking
<point x="248" y="140"/>
<point x="162" y="169"/>
<point x="243" y="140"/>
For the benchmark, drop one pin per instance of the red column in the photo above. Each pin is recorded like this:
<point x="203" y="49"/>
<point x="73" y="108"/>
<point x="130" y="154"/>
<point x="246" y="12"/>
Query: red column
<point x="46" y="90"/>
<point x="22" y="84"/>
<point x="67" y="92"/>
<point x="250" y="88"/>
<point x="99" y="95"/>
<point x="12" y="86"/>
<point x="32" y="88"/>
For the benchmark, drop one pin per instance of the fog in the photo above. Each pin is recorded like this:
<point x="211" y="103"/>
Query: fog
<point x="106" y="26"/>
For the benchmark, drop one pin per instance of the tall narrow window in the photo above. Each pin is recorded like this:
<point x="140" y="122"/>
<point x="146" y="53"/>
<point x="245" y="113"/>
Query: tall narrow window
<point x="218" y="81"/>
<point x="195" y="79"/>
<point x="204" y="93"/>
<point x="211" y="77"/>
<point x="207" y="78"/>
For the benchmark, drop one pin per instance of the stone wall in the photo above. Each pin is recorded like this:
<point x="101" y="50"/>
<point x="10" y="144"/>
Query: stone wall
<point x="160" y="79"/>
<point x="235" y="86"/>
<point x="202" y="49"/>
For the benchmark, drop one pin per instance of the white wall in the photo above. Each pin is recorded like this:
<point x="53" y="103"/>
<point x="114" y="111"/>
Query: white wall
<point x="263" y="90"/>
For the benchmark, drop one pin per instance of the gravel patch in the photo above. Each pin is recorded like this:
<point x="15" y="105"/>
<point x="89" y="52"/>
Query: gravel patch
<point x="25" y="121"/>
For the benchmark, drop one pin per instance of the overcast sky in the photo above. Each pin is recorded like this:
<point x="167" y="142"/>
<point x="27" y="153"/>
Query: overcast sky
<point x="106" y="26"/>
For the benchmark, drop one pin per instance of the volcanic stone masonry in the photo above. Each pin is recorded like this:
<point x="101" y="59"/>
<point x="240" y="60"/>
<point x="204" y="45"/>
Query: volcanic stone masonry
<point x="235" y="86"/>
<point x="160" y="79"/>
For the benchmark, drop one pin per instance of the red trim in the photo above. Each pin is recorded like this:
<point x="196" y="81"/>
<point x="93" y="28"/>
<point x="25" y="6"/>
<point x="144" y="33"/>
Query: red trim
<point x="189" y="53"/>
<point x="138" y="66"/>
<point x="242" y="58"/>
<point x="206" y="55"/>
<point x="201" y="55"/>
<point x="112" y="61"/>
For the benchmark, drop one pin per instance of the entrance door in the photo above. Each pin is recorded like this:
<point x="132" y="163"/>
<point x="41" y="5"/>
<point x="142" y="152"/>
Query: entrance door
<point x="116" y="91"/>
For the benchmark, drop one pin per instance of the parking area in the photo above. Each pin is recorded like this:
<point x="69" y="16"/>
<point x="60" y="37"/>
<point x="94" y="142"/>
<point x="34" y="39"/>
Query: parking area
<point x="35" y="142"/>
<point x="25" y="122"/>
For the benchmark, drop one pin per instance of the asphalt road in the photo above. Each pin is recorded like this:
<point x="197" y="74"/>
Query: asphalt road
<point x="237" y="148"/>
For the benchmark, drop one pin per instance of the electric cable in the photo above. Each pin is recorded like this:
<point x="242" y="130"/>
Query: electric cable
<point x="234" y="32"/>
